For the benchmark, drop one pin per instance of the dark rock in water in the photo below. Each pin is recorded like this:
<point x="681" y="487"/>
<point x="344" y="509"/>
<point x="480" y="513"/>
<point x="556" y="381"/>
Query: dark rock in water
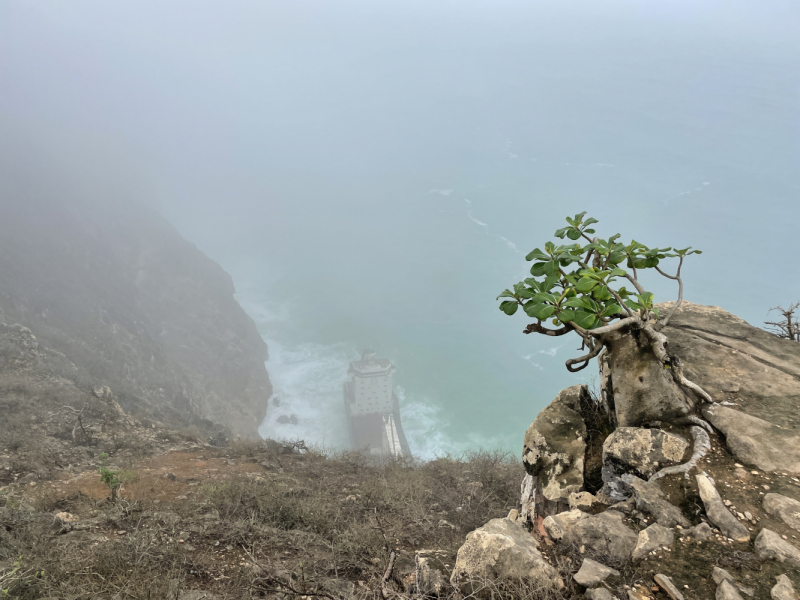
<point x="122" y="301"/>
<point x="287" y="419"/>
<point x="293" y="419"/>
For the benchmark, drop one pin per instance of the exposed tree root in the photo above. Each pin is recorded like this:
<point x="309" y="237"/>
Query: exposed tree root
<point x="702" y="444"/>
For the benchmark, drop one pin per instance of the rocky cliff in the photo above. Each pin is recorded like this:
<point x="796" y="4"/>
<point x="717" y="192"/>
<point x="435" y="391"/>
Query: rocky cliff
<point x="706" y="505"/>
<point x="127" y="303"/>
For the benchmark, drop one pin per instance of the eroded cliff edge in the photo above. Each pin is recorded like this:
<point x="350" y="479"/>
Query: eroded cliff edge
<point x="131" y="305"/>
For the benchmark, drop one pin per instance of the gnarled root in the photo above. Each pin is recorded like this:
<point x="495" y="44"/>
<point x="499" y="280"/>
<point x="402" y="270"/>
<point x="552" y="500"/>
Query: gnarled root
<point x="659" y="343"/>
<point x="702" y="444"/>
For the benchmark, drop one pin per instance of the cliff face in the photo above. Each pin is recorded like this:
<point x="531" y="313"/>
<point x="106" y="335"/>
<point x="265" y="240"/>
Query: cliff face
<point x="133" y="306"/>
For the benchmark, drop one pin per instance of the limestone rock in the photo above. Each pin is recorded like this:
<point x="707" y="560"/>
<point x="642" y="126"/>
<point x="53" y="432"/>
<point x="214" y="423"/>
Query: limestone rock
<point x="783" y="590"/>
<point x="557" y="525"/>
<point x="756" y="441"/>
<point x="499" y="550"/>
<point x="643" y="451"/>
<point x="666" y="584"/>
<point x="431" y="574"/>
<point x="719" y="575"/>
<point x="786" y="509"/>
<point x="599" y="594"/>
<point x="555" y="445"/>
<point x="727" y="591"/>
<point x="593" y="573"/>
<point x="717" y="513"/>
<point x="582" y="500"/>
<point x="719" y="352"/>
<point x="649" y="497"/>
<point x="652" y="538"/>
<point x="770" y="545"/>
<point x="603" y="534"/>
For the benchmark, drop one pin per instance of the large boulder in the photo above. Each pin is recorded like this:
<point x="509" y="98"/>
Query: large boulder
<point x="786" y="509"/>
<point x="604" y="536"/>
<point x="755" y="441"/>
<point x="555" y="446"/>
<point x="501" y="550"/>
<point x="642" y="451"/>
<point x="757" y="371"/>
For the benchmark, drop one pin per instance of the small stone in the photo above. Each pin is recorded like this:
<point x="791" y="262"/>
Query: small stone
<point x="650" y="539"/>
<point x="666" y="584"/>
<point x="717" y="513"/>
<point x="786" y="509"/>
<point x="581" y="500"/>
<point x="599" y="594"/>
<point x="783" y="590"/>
<point x="748" y="515"/>
<point x="770" y="545"/>
<point x="593" y="573"/>
<point x="719" y="575"/>
<point x="727" y="591"/>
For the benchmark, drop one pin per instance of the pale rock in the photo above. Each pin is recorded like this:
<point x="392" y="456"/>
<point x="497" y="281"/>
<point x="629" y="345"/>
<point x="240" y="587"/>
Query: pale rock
<point x="557" y="525"/>
<point x="649" y="497"/>
<point x="783" y="590"/>
<point x="501" y="550"/>
<point x="756" y="441"/>
<point x="786" y="509"/>
<point x="581" y="500"/>
<point x="719" y="575"/>
<point x="727" y="591"/>
<point x="717" y="513"/>
<point x="555" y="445"/>
<point x="593" y="573"/>
<point x="66" y="517"/>
<point x="770" y="545"/>
<point x="513" y="515"/>
<point x="604" y="533"/>
<point x="643" y="451"/>
<point x="599" y="594"/>
<point x="652" y="538"/>
<point x="666" y="584"/>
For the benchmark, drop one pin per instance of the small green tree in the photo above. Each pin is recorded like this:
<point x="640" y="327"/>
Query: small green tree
<point x="110" y="477"/>
<point x="592" y="287"/>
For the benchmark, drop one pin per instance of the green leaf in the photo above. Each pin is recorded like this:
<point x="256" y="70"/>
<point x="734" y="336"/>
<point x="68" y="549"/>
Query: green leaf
<point x="550" y="281"/>
<point x="585" y="284"/>
<point x="533" y="283"/>
<point x="618" y="272"/>
<point x="561" y="232"/>
<point x="601" y="294"/>
<point x="509" y="307"/>
<point x="655" y="312"/>
<point x="632" y="305"/>
<point x="590" y="221"/>
<point x="573" y="303"/>
<point x="573" y="234"/>
<point x="585" y="319"/>
<point x="565" y="316"/>
<point x="539" y="311"/>
<point x="538" y="269"/>
<point x="537" y="254"/>
<point x="645" y="299"/>
<point x="611" y="309"/>
<point x="506" y="294"/>
<point x="527" y="293"/>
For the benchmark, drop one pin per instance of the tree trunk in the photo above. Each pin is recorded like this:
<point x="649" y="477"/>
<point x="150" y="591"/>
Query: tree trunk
<point x="643" y="389"/>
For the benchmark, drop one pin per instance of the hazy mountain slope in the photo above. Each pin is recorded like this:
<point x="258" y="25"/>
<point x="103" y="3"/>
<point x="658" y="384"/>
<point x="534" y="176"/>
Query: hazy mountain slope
<point x="133" y="306"/>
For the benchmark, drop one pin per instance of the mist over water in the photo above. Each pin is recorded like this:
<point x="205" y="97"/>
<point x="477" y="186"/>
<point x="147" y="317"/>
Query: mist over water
<point x="373" y="175"/>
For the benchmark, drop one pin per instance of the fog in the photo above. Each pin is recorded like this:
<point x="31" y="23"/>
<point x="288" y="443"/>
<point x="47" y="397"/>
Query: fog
<point x="373" y="174"/>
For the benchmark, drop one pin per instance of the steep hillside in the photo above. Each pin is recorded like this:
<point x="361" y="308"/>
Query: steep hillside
<point x="133" y="306"/>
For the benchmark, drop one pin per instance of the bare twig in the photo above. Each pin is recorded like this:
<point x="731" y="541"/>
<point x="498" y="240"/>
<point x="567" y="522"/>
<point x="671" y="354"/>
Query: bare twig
<point x="676" y="277"/>
<point x="583" y="361"/>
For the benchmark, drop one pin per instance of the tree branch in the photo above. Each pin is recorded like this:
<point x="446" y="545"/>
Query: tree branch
<point x="614" y="326"/>
<point x="677" y="278"/>
<point x="537" y="328"/>
<point x="595" y="350"/>
<point x="635" y="282"/>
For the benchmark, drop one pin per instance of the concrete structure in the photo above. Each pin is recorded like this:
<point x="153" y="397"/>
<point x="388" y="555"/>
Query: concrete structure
<point x="372" y="408"/>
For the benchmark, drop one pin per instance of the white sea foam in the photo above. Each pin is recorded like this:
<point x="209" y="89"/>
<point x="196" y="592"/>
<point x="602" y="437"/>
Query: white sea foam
<point x="441" y="192"/>
<point x="474" y="220"/>
<point x="307" y="381"/>
<point x="509" y="243"/>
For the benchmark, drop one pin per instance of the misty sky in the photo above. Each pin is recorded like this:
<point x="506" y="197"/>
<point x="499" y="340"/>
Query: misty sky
<point x="373" y="173"/>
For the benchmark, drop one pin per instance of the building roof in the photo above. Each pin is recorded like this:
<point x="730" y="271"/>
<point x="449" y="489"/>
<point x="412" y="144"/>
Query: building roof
<point x="369" y="365"/>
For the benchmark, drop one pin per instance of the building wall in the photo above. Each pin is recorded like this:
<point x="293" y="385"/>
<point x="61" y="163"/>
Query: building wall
<point x="372" y="394"/>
